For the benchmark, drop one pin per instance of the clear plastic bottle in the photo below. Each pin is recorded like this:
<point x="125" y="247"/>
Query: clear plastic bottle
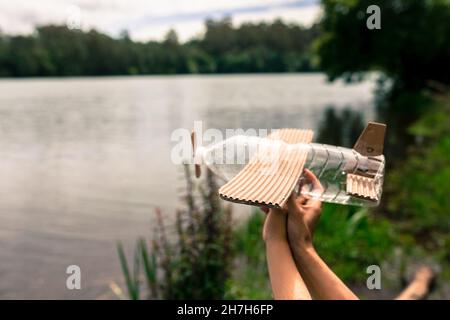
<point x="330" y="164"/>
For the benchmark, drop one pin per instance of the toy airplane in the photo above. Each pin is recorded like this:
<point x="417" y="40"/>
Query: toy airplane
<point x="347" y="176"/>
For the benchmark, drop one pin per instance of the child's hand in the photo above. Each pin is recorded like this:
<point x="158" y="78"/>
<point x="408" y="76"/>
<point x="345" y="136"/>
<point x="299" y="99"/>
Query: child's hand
<point x="303" y="214"/>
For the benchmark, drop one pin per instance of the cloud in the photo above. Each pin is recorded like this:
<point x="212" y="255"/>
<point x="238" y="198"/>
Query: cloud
<point x="149" y="19"/>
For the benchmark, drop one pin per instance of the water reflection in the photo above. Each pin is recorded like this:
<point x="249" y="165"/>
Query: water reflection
<point x="341" y="128"/>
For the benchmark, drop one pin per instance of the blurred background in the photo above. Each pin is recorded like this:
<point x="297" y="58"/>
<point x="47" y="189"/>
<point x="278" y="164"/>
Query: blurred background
<point x="90" y="92"/>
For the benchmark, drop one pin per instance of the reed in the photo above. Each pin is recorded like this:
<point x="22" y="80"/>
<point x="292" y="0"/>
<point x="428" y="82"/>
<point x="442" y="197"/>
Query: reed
<point x="194" y="263"/>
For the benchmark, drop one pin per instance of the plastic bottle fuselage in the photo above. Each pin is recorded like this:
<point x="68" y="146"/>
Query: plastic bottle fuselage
<point x="330" y="164"/>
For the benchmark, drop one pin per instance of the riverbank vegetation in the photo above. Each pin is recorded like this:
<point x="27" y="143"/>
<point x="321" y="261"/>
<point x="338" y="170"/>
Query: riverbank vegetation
<point x="251" y="47"/>
<point x="193" y="260"/>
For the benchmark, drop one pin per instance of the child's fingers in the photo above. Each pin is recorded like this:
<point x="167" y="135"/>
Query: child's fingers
<point x="317" y="186"/>
<point x="314" y="203"/>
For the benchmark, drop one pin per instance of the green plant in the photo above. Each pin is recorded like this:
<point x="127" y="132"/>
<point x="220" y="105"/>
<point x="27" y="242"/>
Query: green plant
<point x="131" y="278"/>
<point x="250" y="279"/>
<point x="196" y="263"/>
<point x="418" y="190"/>
<point x="349" y="239"/>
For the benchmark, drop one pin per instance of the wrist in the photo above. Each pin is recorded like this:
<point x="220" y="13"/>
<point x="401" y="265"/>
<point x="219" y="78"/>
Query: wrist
<point x="302" y="245"/>
<point x="275" y="227"/>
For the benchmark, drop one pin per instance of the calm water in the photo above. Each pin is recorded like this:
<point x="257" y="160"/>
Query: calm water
<point x="84" y="162"/>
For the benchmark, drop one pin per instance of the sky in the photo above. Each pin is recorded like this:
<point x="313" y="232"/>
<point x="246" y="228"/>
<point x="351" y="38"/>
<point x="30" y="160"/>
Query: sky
<point x="149" y="19"/>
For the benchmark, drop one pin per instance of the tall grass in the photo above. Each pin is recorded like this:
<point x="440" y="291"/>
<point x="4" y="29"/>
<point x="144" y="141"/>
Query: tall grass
<point x="195" y="263"/>
<point x="250" y="279"/>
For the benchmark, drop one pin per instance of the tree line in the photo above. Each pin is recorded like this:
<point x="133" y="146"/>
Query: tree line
<point x="251" y="47"/>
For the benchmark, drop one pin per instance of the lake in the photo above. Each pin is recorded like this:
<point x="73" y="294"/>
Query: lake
<point x="85" y="161"/>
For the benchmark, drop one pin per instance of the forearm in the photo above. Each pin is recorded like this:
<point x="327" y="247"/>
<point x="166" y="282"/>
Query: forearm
<point x="320" y="280"/>
<point x="285" y="279"/>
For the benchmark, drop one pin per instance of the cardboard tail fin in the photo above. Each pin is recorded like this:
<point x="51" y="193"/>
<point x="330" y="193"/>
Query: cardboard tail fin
<point x="371" y="140"/>
<point x="362" y="187"/>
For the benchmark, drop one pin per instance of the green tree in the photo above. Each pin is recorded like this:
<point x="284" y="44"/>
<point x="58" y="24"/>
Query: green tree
<point x="402" y="48"/>
<point x="58" y="51"/>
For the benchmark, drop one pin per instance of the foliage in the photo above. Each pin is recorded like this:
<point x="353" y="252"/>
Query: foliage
<point x="59" y="51"/>
<point x="131" y="279"/>
<point x="419" y="188"/>
<point x="250" y="279"/>
<point x="350" y="238"/>
<point x="401" y="48"/>
<point x="197" y="264"/>
<point x="411" y="66"/>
